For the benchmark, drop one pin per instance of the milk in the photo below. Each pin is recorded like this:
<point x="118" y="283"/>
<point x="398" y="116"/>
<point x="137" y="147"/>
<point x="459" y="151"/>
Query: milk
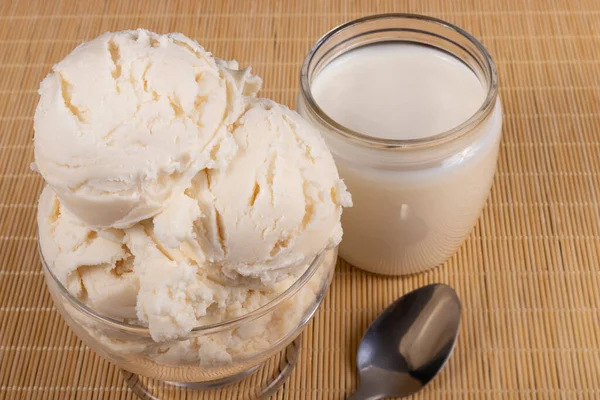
<point x="398" y="91"/>
<point x="412" y="209"/>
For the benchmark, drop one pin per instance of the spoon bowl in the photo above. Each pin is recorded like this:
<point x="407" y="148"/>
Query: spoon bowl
<point x="408" y="344"/>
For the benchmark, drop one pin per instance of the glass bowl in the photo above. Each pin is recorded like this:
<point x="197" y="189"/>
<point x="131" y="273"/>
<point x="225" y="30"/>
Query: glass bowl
<point x="211" y="356"/>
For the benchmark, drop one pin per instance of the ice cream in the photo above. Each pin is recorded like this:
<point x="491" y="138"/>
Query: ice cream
<point x="176" y="198"/>
<point x="276" y="205"/>
<point x="126" y="121"/>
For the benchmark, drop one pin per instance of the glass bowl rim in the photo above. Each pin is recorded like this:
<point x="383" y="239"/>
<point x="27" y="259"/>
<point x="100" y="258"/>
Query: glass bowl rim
<point x="198" y="330"/>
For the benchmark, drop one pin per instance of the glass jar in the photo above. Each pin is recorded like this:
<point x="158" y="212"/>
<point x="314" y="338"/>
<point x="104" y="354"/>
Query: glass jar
<point x="415" y="201"/>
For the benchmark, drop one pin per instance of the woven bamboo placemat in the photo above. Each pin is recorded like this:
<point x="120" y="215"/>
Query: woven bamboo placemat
<point x="529" y="275"/>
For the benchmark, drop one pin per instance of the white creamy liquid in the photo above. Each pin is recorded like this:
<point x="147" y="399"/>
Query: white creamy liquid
<point x="408" y="218"/>
<point x="398" y="91"/>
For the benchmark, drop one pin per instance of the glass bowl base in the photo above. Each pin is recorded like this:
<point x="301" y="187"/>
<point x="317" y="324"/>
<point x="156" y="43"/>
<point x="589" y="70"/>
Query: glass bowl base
<point x="258" y="382"/>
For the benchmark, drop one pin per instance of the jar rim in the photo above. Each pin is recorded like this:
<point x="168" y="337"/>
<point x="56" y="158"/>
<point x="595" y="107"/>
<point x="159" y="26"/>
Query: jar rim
<point x="198" y="330"/>
<point x="401" y="144"/>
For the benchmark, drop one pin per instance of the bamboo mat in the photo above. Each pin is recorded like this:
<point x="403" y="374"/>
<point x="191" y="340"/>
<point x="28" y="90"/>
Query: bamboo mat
<point x="529" y="275"/>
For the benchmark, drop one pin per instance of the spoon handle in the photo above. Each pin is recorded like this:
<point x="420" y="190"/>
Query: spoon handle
<point x="362" y="393"/>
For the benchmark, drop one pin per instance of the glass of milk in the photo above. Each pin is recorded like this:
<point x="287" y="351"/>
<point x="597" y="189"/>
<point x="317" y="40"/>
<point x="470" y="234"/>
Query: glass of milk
<point x="409" y="107"/>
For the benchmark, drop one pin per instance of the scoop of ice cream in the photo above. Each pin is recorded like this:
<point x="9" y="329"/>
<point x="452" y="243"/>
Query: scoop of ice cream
<point x="275" y="206"/>
<point x="92" y="268"/>
<point x="126" y="120"/>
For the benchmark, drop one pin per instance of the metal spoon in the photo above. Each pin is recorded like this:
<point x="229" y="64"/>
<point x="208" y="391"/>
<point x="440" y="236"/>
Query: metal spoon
<point x="408" y="344"/>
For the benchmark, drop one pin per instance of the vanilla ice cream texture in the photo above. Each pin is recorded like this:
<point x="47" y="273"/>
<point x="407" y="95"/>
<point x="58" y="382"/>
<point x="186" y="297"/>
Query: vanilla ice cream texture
<point x="174" y="196"/>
